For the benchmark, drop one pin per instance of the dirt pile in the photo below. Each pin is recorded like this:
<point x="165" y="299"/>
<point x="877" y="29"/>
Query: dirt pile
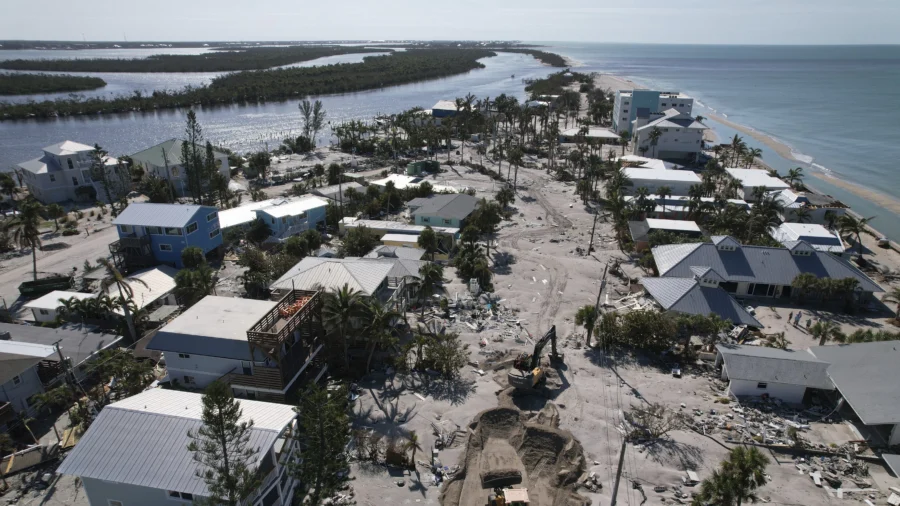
<point x="507" y="447"/>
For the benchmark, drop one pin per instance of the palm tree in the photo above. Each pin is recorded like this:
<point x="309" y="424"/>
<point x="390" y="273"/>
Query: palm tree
<point x="342" y="305"/>
<point x="26" y="233"/>
<point x="623" y="139"/>
<point x="893" y="296"/>
<point x="737" y="146"/>
<point x="55" y="212"/>
<point x="826" y="330"/>
<point x="114" y="277"/>
<point x="430" y="275"/>
<point x="795" y="177"/>
<point x="587" y="316"/>
<point x="752" y="155"/>
<point x="700" y="119"/>
<point x="743" y="471"/>
<point x="802" y="215"/>
<point x="663" y="192"/>
<point x="379" y="326"/>
<point x="412" y="444"/>
<point x="654" y="136"/>
<point x="852" y="226"/>
<point x="642" y="199"/>
<point x="8" y="187"/>
<point x="831" y="218"/>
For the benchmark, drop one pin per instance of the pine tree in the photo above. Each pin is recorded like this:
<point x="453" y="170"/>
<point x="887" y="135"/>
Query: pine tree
<point x="222" y="447"/>
<point x="324" y="432"/>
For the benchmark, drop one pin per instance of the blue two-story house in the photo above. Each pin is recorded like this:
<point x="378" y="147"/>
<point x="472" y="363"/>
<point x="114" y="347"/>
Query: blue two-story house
<point x="443" y="210"/>
<point x="153" y="234"/>
<point x="293" y="217"/>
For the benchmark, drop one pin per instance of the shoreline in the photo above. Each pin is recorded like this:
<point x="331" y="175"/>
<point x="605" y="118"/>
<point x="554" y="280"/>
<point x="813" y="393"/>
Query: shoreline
<point x="614" y="83"/>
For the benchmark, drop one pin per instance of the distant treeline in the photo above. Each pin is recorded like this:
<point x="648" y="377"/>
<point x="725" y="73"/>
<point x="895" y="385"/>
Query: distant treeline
<point x="271" y="85"/>
<point x="25" y="84"/>
<point x="230" y="60"/>
<point x="552" y="59"/>
<point x="555" y="84"/>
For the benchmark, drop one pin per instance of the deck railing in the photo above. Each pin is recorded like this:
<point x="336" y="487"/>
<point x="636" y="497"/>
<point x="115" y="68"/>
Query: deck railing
<point x="273" y="329"/>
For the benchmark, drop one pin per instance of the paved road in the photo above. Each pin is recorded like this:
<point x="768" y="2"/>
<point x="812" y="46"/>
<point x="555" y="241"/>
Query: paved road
<point x="62" y="260"/>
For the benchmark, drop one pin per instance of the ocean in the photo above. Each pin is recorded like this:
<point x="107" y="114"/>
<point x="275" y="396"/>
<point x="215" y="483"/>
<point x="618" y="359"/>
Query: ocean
<point x="833" y="106"/>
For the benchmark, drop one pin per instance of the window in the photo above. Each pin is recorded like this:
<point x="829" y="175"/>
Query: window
<point x="69" y="163"/>
<point x="116" y="503"/>
<point x="663" y="104"/>
<point x="626" y="110"/>
<point x="214" y="232"/>
<point x="183" y="355"/>
<point x="179" y="496"/>
<point x="17" y="380"/>
<point x="52" y="178"/>
<point x="74" y="181"/>
<point x="125" y="229"/>
<point x="446" y="222"/>
<point x="44" y="311"/>
<point x="211" y="216"/>
<point x="173" y="231"/>
<point x="189" y="380"/>
<point x="762" y="385"/>
<point x="426" y="219"/>
<point x="154" y="231"/>
<point x="165" y="247"/>
<point x="191" y="228"/>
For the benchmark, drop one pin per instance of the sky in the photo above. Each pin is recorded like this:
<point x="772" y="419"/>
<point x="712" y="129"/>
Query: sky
<point x="636" y="21"/>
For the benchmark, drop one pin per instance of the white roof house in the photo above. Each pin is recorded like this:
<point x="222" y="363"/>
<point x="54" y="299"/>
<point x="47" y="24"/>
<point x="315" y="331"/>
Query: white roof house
<point x="593" y="133"/>
<point x="139" y="446"/>
<point x="678" y="181"/>
<point x="52" y="299"/>
<point x="819" y="237"/>
<point x="148" y="285"/>
<point x="244" y="214"/>
<point x="401" y="181"/>
<point x="755" y="178"/>
<point x="401" y="238"/>
<point x="16" y="357"/>
<point x="293" y="207"/>
<point x="648" y="163"/>
<point x="673" y="225"/>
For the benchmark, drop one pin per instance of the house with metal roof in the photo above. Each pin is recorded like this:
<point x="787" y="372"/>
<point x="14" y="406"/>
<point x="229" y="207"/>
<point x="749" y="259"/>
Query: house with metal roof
<point x="699" y="295"/>
<point x="293" y="217"/>
<point x="152" y="234"/>
<point x="403" y="252"/>
<point x="641" y="230"/>
<point x="820" y="209"/>
<point x="681" y="135"/>
<point x="47" y="308"/>
<point x="135" y="453"/>
<point x="593" y="135"/>
<point x="754" y="371"/>
<point x="817" y="236"/>
<point x="757" y="271"/>
<point x="63" y="173"/>
<point x="380" y="277"/>
<point x="866" y="376"/>
<point x="79" y="344"/>
<point x="19" y="377"/>
<point x="753" y="180"/>
<point x="443" y="210"/>
<point x="164" y="161"/>
<point x="150" y="288"/>
<point x="446" y="235"/>
<point x="338" y="192"/>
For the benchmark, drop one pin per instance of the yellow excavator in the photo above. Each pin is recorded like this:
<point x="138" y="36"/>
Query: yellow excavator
<point x="527" y="372"/>
<point x="509" y="497"/>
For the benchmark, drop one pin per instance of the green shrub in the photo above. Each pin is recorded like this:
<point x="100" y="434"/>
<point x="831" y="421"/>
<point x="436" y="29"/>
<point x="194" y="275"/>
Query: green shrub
<point x="70" y="231"/>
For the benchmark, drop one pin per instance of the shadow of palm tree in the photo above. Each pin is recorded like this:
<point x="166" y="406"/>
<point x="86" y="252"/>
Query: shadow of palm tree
<point x="667" y="452"/>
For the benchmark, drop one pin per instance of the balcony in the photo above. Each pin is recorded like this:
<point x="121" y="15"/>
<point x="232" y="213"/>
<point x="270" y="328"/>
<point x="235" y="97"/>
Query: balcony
<point x="130" y="242"/>
<point x="296" y="309"/>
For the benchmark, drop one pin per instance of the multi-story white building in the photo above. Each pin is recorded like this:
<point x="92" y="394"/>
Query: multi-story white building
<point x="63" y="173"/>
<point x="628" y="102"/>
<point x="681" y="136"/>
<point x="136" y="452"/>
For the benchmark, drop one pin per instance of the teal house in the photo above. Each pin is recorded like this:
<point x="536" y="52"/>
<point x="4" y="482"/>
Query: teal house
<point x="443" y="210"/>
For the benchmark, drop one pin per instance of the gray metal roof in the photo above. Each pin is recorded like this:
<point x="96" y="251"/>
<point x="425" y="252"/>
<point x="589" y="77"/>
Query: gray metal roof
<point x="754" y="264"/>
<point x="154" y="154"/>
<point x="142" y="440"/>
<point x="77" y="342"/>
<point x="17" y="357"/>
<point x="685" y="295"/>
<point x="457" y="206"/>
<point x="361" y="274"/>
<point x="893" y="461"/>
<point x="402" y="252"/>
<point x="215" y="326"/>
<point x="145" y="214"/>
<point x="773" y="365"/>
<point x="867" y="375"/>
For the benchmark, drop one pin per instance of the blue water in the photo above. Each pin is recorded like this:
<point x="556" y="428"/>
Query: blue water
<point x="835" y="106"/>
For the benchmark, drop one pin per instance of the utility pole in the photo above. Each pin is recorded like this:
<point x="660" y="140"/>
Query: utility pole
<point x="593" y="228"/>
<point x="597" y="303"/>
<point x="618" y="472"/>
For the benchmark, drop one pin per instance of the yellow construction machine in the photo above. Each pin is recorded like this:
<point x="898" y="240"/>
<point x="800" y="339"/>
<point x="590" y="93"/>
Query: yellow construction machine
<point x="509" y="497"/>
<point x="527" y="371"/>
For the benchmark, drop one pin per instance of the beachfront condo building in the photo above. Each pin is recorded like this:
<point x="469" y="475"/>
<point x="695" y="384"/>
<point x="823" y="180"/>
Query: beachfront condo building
<point x="63" y="173"/>
<point x="680" y="135"/>
<point x="629" y="102"/>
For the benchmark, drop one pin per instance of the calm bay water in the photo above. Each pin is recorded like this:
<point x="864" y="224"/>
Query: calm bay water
<point x="833" y="105"/>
